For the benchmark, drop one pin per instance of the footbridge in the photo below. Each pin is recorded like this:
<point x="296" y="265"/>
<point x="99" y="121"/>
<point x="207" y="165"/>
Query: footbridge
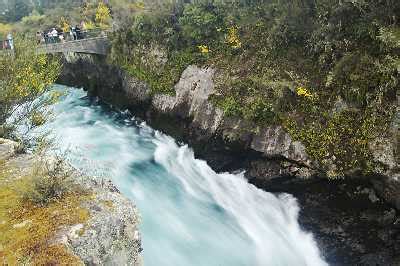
<point x="87" y="42"/>
<point x="96" y="45"/>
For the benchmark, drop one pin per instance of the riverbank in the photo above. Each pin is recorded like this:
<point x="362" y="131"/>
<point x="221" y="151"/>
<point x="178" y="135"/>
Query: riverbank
<point x="52" y="214"/>
<point x="268" y="154"/>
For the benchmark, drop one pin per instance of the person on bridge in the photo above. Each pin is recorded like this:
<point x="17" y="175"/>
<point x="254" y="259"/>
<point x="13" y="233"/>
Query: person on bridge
<point x="50" y="37"/>
<point x="78" y="32"/>
<point x="42" y="37"/>
<point x="39" y="36"/>
<point x="5" y="45"/>
<point x="46" y="37"/>
<point x="10" y="41"/>
<point x="71" y="33"/>
<point x="74" y="32"/>
<point x="54" y="35"/>
<point x="61" y="37"/>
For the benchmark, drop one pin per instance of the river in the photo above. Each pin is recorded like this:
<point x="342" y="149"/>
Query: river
<point x="190" y="215"/>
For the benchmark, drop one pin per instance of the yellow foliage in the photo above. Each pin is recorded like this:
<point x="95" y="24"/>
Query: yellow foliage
<point x="37" y="118"/>
<point x="233" y="38"/>
<point x="65" y="26"/>
<point x="301" y="91"/>
<point x="4" y="30"/>
<point x="203" y="49"/>
<point x="103" y="15"/>
<point x="88" y="25"/>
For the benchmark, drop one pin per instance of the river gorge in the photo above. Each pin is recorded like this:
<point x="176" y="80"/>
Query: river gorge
<point x="204" y="133"/>
<point x="190" y="214"/>
<point x="353" y="220"/>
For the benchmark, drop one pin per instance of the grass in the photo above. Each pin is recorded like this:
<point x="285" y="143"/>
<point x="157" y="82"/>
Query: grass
<point x="28" y="229"/>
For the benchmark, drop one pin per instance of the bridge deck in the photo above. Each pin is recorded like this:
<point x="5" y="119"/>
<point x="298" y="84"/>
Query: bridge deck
<point x="96" y="45"/>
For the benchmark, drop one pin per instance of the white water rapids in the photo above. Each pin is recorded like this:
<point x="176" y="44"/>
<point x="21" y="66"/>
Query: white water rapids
<point x="190" y="214"/>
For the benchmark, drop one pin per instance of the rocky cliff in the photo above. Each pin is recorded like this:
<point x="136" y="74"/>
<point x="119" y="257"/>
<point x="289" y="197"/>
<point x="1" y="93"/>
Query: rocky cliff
<point x="337" y="212"/>
<point x="227" y="143"/>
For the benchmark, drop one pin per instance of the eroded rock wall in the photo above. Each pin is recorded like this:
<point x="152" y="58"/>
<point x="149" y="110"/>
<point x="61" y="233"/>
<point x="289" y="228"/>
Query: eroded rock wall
<point x="227" y="143"/>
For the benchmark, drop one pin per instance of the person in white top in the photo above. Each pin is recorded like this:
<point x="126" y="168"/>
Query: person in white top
<point x="10" y="41"/>
<point x="54" y="34"/>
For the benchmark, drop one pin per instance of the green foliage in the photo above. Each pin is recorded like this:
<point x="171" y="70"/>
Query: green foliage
<point x="390" y="36"/>
<point x="230" y="106"/>
<point x="200" y="23"/>
<point x="260" y="110"/>
<point x="340" y="138"/>
<point x="33" y="20"/>
<point x="281" y="61"/>
<point x="161" y="78"/>
<point x="24" y="77"/>
<point x="356" y="77"/>
<point x="4" y="30"/>
<point x="16" y="10"/>
<point x="247" y="98"/>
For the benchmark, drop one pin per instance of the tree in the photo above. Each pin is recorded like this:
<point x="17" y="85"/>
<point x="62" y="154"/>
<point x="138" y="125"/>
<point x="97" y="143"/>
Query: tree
<point x="16" y="10"/>
<point x="200" y="22"/>
<point x="24" y="77"/>
<point x="64" y="24"/>
<point x="103" y="15"/>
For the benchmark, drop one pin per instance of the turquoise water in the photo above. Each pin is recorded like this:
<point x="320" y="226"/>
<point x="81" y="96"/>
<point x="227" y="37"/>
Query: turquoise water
<point x="190" y="215"/>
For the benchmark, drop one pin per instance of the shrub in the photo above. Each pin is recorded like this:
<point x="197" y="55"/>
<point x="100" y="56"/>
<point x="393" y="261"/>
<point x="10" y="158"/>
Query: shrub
<point x="48" y="184"/>
<point x="260" y="111"/>
<point x="200" y="22"/>
<point x="230" y="106"/>
<point x="103" y="15"/>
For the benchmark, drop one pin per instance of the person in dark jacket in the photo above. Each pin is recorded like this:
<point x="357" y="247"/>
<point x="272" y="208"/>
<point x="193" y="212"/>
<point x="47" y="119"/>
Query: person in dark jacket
<point x="78" y="32"/>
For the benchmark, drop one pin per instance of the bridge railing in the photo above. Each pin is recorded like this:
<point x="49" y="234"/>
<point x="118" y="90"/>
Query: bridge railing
<point x="76" y="36"/>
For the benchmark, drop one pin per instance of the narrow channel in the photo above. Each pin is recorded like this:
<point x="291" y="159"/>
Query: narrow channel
<point x="190" y="215"/>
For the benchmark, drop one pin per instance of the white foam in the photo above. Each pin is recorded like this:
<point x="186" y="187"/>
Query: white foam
<point x="190" y="214"/>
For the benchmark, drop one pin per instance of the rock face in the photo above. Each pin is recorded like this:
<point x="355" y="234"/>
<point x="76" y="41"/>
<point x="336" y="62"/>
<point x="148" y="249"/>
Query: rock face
<point x="386" y="152"/>
<point x="227" y="143"/>
<point x="338" y="213"/>
<point x="351" y="225"/>
<point x="110" y="236"/>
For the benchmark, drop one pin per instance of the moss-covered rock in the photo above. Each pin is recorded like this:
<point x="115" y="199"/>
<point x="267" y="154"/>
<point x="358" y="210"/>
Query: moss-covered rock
<point x="69" y="228"/>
